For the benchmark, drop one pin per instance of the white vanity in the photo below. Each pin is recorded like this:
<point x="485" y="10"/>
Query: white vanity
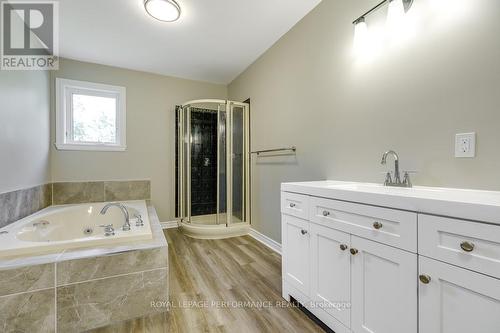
<point x="366" y="258"/>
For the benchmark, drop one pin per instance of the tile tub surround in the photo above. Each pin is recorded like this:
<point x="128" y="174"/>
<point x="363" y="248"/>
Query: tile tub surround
<point x="76" y="193"/>
<point x="29" y="278"/>
<point x="94" y="287"/>
<point x="28" y="312"/>
<point x="98" y="303"/>
<point x="18" y="204"/>
<point x="127" y="190"/>
<point x="100" y="191"/>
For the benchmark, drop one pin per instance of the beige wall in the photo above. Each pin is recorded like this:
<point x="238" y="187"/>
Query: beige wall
<point x="309" y="91"/>
<point x="150" y="130"/>
<point x="24" y="129"/>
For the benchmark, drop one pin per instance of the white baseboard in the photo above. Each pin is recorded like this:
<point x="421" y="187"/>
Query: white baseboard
<point x="169" y="225"/>
<point x="270" y="243"/>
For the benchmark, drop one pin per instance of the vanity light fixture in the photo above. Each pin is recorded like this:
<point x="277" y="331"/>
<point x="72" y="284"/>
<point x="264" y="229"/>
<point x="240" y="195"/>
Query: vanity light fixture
<point x="163" y="10"/>
<point x="396" y="7"/>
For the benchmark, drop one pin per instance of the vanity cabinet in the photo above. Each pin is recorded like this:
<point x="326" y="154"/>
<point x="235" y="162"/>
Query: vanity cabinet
<point x="331" y="271"/>
<point x="453" y="299"/>
<point x="369" y="269"/>
<point x="383" y="288"/>
<point x="296" y="241"/>
<point x="353" y="284"/>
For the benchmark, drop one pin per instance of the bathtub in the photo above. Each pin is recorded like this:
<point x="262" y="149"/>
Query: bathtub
<point x="59" y="228"/>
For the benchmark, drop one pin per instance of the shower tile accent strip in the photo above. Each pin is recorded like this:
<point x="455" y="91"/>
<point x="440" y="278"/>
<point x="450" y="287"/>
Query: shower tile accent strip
<point x="19" y="204"/>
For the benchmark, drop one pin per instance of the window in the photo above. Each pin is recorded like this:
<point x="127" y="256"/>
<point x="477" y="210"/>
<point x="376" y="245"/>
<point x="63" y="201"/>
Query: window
<point x="90" y="116"/>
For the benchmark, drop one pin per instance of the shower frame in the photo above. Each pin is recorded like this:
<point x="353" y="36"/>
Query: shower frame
<point x="184" y="160"/>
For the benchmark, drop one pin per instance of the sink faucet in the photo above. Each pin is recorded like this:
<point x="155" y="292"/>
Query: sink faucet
<point x="397" y="176"/>
<point x="126" y="225"/>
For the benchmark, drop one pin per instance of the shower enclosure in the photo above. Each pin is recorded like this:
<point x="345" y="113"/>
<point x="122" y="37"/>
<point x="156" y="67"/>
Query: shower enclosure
<point x="212" y="157"/>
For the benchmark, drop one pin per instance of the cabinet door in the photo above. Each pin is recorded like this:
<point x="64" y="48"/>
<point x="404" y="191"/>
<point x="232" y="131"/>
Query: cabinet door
<point x="457" y="300"/>
<point x="296" y="261"/>
<point x="331" y="272"/>
<point x="384" y="288"/>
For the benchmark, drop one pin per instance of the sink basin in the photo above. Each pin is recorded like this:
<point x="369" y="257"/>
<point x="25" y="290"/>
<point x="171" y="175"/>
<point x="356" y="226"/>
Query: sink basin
<point x="377" y="188"/>
<point x="420" y="192"/>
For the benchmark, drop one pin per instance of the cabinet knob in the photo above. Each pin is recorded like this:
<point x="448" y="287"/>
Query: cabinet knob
<point x="326" y="213"/>
<point x="303" y="232"/>
<point x="292" y="205"/>
<point x="377" y="225"/>
<point x="354" y="251"/>
<point x="343" y="247"/>
<point x="467" y="246"/>
<point x="425" y="279"/>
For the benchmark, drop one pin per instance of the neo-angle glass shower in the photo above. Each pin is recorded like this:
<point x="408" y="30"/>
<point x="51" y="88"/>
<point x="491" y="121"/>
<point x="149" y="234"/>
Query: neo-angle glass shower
<point x="212" y="159"/>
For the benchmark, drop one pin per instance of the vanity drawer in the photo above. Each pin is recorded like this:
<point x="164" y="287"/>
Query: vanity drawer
<point x="295" y="204"/>
<point x="389" y="226"/>
<point x="468" y="244"/>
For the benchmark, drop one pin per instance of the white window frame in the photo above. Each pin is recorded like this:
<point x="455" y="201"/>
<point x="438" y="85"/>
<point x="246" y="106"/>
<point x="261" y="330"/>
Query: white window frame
<point x="64" y="90"/>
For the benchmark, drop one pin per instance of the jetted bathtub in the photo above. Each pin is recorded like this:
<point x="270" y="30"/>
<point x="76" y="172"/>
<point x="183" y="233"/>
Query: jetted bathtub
<point x="64" y="227"/>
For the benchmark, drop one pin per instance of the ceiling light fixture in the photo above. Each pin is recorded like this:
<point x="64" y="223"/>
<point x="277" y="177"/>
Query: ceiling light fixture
<point x="163" y="10"/>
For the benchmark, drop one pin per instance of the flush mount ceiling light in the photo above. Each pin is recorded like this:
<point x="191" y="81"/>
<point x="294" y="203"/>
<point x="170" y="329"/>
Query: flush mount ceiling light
<point x="163" y="10"/>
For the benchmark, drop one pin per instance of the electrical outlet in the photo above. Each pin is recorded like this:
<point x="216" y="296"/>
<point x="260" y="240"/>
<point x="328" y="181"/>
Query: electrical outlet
<point x="465" y="145"/>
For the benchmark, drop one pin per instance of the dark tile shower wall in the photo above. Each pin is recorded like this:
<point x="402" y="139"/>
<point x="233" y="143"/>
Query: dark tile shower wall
<point x="203" y="162"/>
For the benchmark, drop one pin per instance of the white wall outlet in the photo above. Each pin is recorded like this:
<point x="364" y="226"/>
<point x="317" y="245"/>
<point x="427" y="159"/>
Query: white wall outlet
<point x="465" y="145"/>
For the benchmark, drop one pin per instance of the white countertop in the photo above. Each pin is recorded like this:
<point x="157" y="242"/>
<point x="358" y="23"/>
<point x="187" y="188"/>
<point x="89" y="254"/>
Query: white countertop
<point x="474" y="205"/>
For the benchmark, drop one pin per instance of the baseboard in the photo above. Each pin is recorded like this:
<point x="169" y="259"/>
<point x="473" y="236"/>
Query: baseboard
<point x="270" y="243"/>
<point x="169" y="225"/>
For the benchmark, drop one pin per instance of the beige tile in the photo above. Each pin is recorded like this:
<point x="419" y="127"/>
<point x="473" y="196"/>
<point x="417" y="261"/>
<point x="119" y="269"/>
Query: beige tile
<point x="78" y="192"/>
<point x="94" y="304"/>
<point x="45" y="196"/>
<point x="28" y="312"/>
<point x="28" y="278"/>
<point x="19" y="204"/>
<point x="77" y="270"/>
<point x="127" y="190"/>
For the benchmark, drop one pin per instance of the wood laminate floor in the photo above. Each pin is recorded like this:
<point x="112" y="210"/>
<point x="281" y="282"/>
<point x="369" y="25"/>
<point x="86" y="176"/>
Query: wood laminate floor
<point x="209" y="282"/>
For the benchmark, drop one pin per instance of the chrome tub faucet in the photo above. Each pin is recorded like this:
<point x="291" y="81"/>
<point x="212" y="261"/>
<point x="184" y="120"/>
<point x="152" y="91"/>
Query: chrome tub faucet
<point x="126" y="225"/>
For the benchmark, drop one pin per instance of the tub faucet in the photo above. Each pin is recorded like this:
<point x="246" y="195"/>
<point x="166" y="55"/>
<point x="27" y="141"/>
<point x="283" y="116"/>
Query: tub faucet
<point x="126" y="225"/>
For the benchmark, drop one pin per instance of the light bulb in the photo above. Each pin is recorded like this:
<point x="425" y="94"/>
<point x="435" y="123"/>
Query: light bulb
<point x="395" y="13"/>
<point x="360" y="36"/>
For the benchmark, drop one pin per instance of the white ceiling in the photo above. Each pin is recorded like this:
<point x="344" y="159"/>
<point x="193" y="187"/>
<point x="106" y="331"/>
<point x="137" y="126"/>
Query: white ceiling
<point x="215" y="40"/>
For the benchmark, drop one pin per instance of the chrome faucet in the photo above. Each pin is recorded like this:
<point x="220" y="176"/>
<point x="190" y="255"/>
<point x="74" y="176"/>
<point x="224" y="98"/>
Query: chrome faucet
<point x="397" y="175"/>
<point x="126" y="225"/>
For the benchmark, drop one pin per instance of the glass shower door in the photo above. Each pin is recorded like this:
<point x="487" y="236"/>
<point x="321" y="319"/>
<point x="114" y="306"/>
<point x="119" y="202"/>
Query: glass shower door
<point x="239" y="160"/>
<point x="222" y="165"/>
<point x="212" y="162"/>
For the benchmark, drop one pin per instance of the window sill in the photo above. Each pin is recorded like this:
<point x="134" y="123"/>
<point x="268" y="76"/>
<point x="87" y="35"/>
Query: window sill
<point x="89" y="147"/>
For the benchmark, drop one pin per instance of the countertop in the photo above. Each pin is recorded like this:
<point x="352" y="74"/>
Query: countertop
<point x="476" y="205"/>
